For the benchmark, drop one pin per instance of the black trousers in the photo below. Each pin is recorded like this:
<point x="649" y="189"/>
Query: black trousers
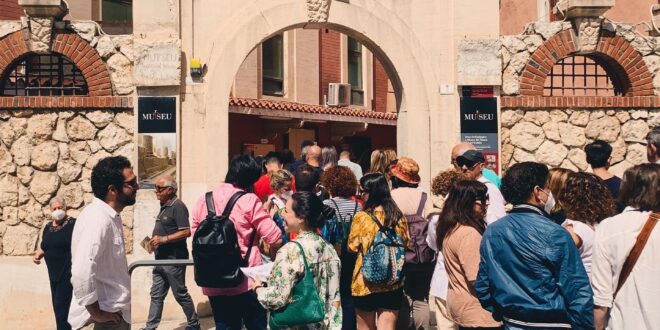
<point x="61" y="292"/>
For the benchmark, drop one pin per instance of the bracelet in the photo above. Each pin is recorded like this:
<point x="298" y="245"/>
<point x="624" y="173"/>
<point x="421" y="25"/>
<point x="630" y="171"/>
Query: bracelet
<point x="167" y="239"/>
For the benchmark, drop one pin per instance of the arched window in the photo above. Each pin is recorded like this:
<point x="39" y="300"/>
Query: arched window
<point x="582" y="76"/>
<point x="43" y="75"/>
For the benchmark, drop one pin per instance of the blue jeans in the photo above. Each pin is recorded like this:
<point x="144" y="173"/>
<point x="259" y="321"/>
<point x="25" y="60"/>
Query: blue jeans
<point x="234" y="312"/>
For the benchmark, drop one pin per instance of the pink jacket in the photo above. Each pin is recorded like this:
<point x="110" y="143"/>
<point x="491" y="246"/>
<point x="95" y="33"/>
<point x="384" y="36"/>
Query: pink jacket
<point x="248" y="216"/>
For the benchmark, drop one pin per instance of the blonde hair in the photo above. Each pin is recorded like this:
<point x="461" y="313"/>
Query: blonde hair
<point x="279" y="179"/>
<point x="556" y="183"/>
<point x="390" y="155"/>
<point x="379" y="162"/>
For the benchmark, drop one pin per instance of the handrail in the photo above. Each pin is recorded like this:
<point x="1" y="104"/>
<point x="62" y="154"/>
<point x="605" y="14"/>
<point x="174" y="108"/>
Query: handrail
<point x="164" y="262"/>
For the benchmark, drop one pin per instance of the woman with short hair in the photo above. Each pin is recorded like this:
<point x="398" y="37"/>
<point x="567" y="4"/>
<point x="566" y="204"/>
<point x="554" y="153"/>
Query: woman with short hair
<point x="55" y="248"/>
<point x="342" y="185"/>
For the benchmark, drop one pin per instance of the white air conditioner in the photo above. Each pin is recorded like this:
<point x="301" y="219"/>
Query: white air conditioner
<point x="339" y="95"/>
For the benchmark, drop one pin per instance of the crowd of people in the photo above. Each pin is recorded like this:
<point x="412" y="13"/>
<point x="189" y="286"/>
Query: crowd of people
<point x="539" y="249"/>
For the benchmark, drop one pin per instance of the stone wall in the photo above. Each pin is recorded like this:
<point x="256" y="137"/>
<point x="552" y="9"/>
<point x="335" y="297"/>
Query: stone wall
<point x="557" y="137"/>
<point x="49" y="153"/>
<point x="517" y="50"/>
<point x="50" y="150"/>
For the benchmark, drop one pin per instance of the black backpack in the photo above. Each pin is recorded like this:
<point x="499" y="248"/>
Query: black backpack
<point x="215" y="250"/>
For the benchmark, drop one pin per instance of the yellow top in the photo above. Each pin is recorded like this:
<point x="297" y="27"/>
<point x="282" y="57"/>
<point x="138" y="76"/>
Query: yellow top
<point x="363" y="232"/>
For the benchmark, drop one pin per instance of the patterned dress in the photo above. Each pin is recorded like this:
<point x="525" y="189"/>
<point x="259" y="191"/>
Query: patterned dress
<point x="363" y="232"/>
<point x="289" y="268"/>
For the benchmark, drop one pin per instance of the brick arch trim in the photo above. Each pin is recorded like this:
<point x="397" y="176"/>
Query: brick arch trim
<point x="69" y="44"/>
<point x="618" y="54"/>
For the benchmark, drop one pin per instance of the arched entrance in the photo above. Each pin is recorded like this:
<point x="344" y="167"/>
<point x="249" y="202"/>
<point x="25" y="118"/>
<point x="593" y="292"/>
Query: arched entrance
<point x="373" y="25"/>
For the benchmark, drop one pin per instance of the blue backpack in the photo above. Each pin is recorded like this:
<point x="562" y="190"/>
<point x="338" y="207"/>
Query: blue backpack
<point x="383" y="262"/>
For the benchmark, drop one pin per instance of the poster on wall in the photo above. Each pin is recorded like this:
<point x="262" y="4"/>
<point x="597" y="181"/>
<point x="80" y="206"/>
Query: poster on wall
<point x="157" y="151"/>
<point x="479" y="124"/>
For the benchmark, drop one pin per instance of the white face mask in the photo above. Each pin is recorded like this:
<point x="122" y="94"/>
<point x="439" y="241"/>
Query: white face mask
<point x="58" y="215"/>
<point x="286" y="195"/>
<point x="550" y="203"/>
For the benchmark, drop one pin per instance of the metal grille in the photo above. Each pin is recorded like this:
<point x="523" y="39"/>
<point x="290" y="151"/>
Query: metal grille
<point x="43" y="75"/>
<point x="580" y="76"/>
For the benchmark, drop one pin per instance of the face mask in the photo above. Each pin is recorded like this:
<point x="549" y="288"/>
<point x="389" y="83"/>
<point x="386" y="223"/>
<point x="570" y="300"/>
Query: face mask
<point x="286" y="195"/>
<point x="58" y="215"/>
<point x="549" y="204"/>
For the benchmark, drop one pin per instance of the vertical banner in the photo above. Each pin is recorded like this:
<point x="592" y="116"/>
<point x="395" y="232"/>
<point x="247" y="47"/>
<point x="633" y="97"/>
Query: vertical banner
<point x="479" y="124"/>
<point x="156" y="139"/>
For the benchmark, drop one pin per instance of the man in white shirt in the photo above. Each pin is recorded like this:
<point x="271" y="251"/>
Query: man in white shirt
<point x="653" y="145"/>
<point x="99" y="270"/>
<point x="345" y="160"/>
<point x="471" y="163"/>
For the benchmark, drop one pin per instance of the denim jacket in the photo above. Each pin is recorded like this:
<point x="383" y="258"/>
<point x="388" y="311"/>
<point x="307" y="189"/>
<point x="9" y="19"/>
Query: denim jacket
<point x="531" y="274"/>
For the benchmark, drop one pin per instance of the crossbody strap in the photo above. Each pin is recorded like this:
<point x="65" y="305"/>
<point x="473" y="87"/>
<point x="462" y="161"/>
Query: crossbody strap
<point x="636" y="251"/>
<point x="422" y="204"/>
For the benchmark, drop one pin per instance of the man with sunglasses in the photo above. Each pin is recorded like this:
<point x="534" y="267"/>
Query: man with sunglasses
<point x="169" y="242"/>
<point x="471" y="163"/>
<point x="99" y="269"/>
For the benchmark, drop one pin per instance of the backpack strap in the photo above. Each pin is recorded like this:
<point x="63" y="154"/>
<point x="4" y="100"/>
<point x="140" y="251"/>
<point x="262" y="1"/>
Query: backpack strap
<point x="636" y="251"/>
<point x="341" y="218"/>
<point x="422" y="204"/>
<point x="210" y="205"/>
<point x="232" y="201"/>
<point x="380" y="226"/>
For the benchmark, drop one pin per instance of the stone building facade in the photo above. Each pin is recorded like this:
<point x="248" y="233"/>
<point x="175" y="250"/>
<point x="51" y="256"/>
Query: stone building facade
<point x="49" y="144"/>
<point x="428" y="48"/>
<point x="554" y="129"/>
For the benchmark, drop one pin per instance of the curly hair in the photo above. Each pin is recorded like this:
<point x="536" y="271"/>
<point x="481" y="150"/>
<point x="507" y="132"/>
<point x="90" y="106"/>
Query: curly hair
<point x="585" y="198"/>
<point x="445" y="180"/>
<point x="108" y="172"/>
<point x="340" y="181"/>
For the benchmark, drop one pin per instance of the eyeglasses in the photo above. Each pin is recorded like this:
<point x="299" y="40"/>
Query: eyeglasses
<point x="160" y="189"/>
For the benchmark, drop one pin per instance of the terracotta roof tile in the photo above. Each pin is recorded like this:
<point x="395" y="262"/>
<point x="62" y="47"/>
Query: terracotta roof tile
<point x="310" y="108"/>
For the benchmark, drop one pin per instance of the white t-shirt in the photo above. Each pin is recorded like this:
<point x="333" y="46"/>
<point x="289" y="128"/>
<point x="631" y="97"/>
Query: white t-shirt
<point x="439" y="281"/>
<point x="587" y="235"/>
<point x="496" y="208"/>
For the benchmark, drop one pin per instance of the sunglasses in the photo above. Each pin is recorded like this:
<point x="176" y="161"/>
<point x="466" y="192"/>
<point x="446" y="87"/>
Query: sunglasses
<point x="161" y="188"/>
<point x="462" y="162"/>
<point x="132" y="183"/>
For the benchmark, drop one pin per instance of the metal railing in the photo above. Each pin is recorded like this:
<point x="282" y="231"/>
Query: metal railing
<point x="166" y="262"/>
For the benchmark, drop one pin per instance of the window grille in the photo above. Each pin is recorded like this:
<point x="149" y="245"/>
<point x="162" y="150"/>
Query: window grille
<point x="580" y="76"/>
<point x="43" y="75"/>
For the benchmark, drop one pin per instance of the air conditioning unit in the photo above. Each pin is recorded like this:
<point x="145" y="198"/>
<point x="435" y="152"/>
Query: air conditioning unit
<point x="339" y="95"/>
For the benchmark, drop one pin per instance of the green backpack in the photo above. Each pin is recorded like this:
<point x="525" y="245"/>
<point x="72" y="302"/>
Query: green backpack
<point x="306" y="306"/>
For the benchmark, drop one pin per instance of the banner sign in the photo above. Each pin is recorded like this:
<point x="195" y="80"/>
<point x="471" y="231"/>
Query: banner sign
<point x="479" y="124"/>
<point x="157" y="151"/>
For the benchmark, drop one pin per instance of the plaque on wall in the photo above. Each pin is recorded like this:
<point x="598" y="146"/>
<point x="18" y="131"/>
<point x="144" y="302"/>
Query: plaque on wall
<point x="157" y="63"/>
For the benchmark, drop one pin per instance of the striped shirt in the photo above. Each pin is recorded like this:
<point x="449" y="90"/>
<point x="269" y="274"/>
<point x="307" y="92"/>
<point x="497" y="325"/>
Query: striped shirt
<point x="344" y="208"/>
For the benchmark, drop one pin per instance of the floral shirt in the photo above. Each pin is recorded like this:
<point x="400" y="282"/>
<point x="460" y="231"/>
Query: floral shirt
<point x="289" y="268"/>
<point x="363" y="232"/>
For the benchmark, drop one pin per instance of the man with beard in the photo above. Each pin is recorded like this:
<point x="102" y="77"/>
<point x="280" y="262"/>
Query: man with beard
<point x="99" y="270"/>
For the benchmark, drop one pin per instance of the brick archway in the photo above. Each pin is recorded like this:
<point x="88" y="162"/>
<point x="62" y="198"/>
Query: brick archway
<point x="624" y="61"/>
<point x="67" y="44"/>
